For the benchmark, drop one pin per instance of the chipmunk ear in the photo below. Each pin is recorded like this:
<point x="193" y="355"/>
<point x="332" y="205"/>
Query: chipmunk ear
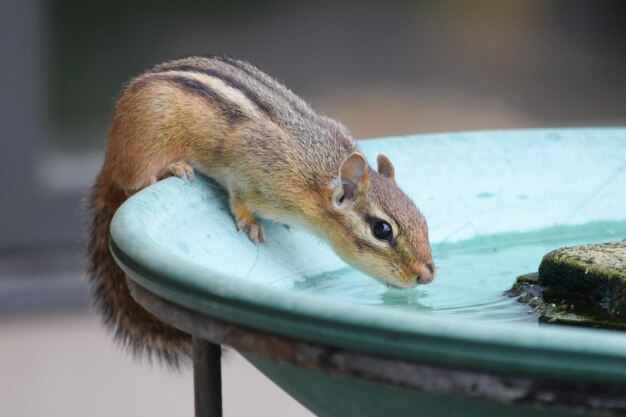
<point x="385" y="167"/>
<point x="353" y="172"/>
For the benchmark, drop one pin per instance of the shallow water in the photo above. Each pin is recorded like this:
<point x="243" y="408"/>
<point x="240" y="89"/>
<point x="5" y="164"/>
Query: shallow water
<point x="472" y="275"/>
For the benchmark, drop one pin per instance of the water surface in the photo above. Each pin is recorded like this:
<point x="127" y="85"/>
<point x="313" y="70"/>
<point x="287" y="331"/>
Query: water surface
<point x="472" y="275"/>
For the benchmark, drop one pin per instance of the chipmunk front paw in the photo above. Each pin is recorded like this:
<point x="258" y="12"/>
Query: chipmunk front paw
<point x="253" y="229"/>
<point x="245" y="221"/>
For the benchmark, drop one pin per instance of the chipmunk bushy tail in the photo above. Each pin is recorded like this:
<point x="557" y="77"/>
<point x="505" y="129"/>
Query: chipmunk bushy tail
<point x="132" y="325"/>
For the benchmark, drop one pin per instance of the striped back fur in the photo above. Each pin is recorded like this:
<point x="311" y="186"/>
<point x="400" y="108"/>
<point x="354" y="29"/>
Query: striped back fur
<point x="275" y="156"/>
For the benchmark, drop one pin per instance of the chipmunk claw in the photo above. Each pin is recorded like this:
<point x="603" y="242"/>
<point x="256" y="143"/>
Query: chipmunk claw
<point x="253" y="229"/>
<point x="244" y="220"/>
<point x="241" y="223"/>
<point x="253" y="233"/>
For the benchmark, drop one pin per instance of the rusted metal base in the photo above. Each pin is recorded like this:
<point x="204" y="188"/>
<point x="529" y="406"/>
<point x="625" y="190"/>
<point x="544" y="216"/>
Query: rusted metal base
<point x="207" y="378"/>
<point x="519" y="390"/>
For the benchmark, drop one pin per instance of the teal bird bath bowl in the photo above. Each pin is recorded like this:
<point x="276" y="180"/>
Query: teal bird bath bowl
<point x="345" y="345"/>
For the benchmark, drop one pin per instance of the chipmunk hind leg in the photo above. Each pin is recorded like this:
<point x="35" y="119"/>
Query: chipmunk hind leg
<point x="149" y="172"/>
<point x="180" y="169"/>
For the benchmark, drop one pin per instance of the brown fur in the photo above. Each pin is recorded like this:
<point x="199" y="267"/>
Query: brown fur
<point x="133" y="326"/>
<point x="276" y="157"/>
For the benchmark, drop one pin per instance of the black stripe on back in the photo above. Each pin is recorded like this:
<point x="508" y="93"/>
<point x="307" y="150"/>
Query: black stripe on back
<point x="229" y="110"/>
<point x="274" y="86"/>
<point x="252" y="95"/>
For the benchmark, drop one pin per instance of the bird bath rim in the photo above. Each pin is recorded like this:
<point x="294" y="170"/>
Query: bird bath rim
<point x="580" y="354"/>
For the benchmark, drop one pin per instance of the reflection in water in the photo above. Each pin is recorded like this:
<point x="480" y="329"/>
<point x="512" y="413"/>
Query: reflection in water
<point x="472" y="276"/>
<point x="405" y="298"/>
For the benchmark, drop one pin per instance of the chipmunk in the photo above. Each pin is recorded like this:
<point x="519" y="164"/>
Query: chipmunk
<point x="277" y="158"/>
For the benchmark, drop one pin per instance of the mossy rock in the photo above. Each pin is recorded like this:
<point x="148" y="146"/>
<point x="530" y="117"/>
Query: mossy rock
<point x="591" y="278"/>
<point x="579" y="286"/>
<point x="530" y="291"/>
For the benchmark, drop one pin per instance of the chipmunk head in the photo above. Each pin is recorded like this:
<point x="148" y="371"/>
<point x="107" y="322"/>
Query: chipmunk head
<point x="381" y="231"/>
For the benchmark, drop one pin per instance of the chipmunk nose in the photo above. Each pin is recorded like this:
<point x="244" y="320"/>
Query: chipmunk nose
<point x="425" y="273"/>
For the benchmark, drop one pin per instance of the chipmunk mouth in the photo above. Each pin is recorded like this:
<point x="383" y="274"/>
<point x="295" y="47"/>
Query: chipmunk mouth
<point x="401" y="284"/>
<point x="398" y="287"/>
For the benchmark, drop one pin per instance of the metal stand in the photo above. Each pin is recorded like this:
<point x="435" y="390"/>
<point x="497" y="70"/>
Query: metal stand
<point x="207" y="378"/>
<point x="429" y="379"/>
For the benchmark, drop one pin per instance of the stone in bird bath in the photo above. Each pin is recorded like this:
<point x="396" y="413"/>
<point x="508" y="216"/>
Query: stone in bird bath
<point x="580" y="285"/>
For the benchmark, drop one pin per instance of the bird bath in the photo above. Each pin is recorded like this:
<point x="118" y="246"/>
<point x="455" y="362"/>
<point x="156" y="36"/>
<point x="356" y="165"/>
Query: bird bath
<point x="343" y="344"/>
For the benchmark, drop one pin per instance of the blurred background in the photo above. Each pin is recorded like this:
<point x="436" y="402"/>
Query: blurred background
<point x="382" y="68"/>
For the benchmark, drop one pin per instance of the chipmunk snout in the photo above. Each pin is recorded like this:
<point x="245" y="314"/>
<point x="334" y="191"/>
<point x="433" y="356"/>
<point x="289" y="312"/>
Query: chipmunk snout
<point x="425" y="273"/>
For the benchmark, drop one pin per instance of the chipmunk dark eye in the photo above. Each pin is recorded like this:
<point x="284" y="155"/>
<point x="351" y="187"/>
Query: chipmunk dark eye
<point x="382" y="230"/>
